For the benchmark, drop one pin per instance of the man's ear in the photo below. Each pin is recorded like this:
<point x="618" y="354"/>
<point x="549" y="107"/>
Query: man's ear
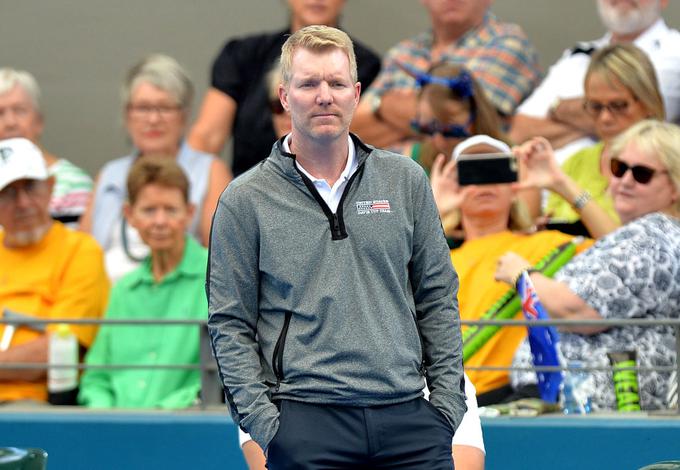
<point x="283" y="96"/>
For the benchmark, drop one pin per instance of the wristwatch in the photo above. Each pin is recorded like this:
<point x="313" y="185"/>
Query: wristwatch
<point x="554" y="105"/>
<point x="375" y="102"/>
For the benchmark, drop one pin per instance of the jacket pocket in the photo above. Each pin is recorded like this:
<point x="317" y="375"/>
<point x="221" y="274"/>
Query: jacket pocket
<point x="277" y="358"/>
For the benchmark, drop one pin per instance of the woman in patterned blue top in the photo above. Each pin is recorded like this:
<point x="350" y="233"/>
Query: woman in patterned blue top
<point x="633" y="272"/>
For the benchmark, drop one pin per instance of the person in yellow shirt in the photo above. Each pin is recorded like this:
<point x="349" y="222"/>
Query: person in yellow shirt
<point x="46" y="270"/>
<point x="493" y="221"/>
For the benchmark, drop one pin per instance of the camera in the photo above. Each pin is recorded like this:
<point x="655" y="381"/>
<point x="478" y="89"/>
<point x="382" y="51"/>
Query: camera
<point x="486" y="168"/>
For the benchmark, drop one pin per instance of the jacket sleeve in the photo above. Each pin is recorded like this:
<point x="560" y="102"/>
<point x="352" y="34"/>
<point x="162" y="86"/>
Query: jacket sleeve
<point x="232" y="288"/>
<point x="435" y="290"/>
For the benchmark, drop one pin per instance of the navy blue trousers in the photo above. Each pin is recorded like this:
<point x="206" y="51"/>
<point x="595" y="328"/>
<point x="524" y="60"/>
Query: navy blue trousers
<point x="411" y="435"/>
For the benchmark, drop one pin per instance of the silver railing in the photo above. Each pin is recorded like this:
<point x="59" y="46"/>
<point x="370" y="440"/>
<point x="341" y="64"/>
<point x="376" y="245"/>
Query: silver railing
<point x="211" y="389"/>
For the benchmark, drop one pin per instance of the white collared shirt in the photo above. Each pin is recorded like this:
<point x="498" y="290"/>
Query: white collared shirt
<point x="331" y="195"/>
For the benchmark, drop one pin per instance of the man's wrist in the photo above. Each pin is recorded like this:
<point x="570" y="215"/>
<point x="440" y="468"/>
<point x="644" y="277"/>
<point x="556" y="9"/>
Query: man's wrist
<point x="552" y="110"/>
<point x="375" y="102"/>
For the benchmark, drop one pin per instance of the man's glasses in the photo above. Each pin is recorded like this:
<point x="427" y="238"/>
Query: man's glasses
<point x="455" y="131"/>
<point x="31" y="187"/>
<point x="276" y="107"/>
<point x="145" y="111"/>
<point x="19" y="112"/>
<point x="615" y="108"/>
<point x="642" y="174"/>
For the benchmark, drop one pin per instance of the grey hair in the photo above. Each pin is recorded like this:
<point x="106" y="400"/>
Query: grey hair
<point x="9" y="78"/>
<point x="161" y="71"/>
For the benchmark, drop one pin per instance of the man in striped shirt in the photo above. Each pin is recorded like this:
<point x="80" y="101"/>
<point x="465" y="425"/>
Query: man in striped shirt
<point x="20" y="116"/>
<point x="465" y="32"/>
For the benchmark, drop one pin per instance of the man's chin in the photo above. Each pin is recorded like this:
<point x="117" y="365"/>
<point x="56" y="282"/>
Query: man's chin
<point x="23" y="238"/>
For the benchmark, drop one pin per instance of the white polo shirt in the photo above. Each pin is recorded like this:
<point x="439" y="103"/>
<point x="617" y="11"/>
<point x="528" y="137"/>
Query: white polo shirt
<point x="331" y="195"/>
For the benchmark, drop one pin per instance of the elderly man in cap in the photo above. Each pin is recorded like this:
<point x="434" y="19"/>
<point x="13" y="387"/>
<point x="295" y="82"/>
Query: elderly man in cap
<point x="46" y="270"/>
<point x="21" y="116"/>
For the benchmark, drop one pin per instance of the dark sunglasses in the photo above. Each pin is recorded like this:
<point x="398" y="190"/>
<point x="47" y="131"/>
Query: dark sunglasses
<point x="276" y="107"/>
<point x="455" y="131"/>
<point x="642" y="174"/>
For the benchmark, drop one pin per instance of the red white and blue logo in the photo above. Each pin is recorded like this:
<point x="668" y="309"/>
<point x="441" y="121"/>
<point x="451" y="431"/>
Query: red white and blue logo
<point x="374" y="207"/>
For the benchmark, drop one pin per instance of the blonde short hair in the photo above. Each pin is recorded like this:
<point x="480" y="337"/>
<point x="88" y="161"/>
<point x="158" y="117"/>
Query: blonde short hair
<point x="658" y="138"/>
<point x="9" y="78"/>
<point x="163" y="72"/>
<point x="317" y="38"/>
<point x="630" y="66"/>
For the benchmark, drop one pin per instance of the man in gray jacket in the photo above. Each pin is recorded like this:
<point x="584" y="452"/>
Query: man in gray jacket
<point x="330" y="287"/>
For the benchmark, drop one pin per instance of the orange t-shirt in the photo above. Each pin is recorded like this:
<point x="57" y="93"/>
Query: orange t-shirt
<point x="62" y="276"/>
<point x="475" y="262"/>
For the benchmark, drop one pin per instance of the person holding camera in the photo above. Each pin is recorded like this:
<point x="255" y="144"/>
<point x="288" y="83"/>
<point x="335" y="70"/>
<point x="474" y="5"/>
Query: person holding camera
<point x="452" y="106"/>
<point x="493" y="220"/>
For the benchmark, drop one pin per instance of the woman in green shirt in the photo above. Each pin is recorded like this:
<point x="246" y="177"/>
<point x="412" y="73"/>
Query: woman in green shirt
<point x="168" y="285"/>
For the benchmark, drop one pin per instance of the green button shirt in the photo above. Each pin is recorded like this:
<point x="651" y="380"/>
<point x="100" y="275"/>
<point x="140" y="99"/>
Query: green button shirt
<point x="180" y="295"/>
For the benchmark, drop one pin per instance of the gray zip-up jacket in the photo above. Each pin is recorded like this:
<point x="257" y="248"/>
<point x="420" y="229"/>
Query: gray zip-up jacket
<point x="351" y="308"/>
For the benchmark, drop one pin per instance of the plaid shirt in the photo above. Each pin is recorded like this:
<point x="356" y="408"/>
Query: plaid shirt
<point x="499" y="55"/>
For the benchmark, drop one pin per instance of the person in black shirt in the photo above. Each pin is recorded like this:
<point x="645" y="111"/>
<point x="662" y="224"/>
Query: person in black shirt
<point x="237" y="102"/>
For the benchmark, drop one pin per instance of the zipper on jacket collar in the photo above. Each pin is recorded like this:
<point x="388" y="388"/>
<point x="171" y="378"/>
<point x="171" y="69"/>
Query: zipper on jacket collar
<point x="335" y="220"/>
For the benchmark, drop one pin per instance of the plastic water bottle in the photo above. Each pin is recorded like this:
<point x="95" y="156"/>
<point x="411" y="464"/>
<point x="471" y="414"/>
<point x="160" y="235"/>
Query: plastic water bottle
<point x="575" y="398"/>
<point x="62" y="383"/>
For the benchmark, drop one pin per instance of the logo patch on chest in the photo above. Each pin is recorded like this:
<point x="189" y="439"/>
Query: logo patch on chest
<point x="373" y="207"/>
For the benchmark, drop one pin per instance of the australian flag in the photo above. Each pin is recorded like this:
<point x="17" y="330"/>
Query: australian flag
<point x="542" y="339"/>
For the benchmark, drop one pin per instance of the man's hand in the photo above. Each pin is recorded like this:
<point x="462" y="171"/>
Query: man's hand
<point x="31" y="351"/>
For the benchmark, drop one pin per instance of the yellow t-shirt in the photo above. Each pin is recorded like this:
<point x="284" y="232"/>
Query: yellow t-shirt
<point x="62" y="276"/>
<point x="475" y="262"/>
<point x="584" y="168"/>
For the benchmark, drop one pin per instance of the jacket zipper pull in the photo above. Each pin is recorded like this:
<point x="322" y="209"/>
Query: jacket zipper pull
<point x="336" y="224"/>
<point x="278" y="385"/>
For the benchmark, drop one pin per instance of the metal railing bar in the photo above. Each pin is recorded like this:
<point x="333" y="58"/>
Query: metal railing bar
<point x="551" y="322"/>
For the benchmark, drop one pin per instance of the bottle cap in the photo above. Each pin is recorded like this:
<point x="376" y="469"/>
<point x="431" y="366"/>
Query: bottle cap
<point x="62" y="329"/>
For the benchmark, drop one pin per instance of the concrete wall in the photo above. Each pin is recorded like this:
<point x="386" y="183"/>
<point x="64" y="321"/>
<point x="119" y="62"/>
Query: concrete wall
<point x="80" y="49"/>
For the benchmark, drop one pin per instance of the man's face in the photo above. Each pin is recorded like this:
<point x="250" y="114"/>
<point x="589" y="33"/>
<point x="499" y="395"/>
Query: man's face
<point x="629" y="16"/>
<point x="309" y="12"/>
<point x="24" y="209"/>
<point x="18" y="116"/>
<point x="321" y="96"/>
<point x="161" y="216"/>
<point x="461" y="14"/>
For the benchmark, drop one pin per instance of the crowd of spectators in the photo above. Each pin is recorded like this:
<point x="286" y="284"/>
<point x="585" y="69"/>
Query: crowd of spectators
<point x="597" y="151"/>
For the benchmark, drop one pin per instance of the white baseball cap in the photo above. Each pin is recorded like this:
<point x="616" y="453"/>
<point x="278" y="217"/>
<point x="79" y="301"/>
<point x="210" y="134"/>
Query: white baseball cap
<point x="480" y="139"/>
<point x="20" y="159"/>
